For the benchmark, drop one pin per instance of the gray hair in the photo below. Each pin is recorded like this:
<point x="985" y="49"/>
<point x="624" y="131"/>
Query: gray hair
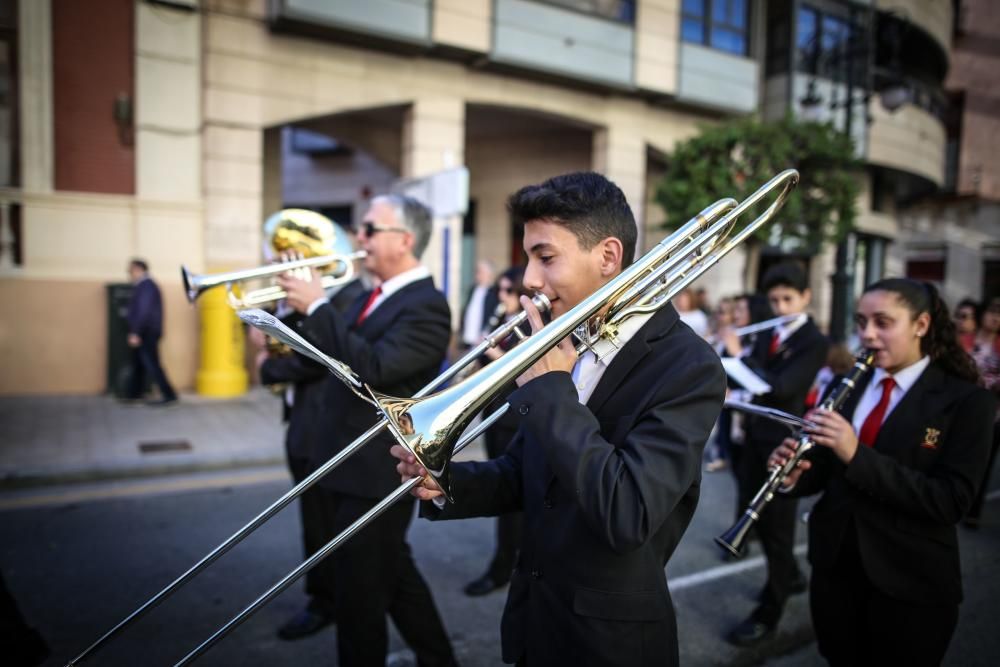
<point x="413" y="215"/>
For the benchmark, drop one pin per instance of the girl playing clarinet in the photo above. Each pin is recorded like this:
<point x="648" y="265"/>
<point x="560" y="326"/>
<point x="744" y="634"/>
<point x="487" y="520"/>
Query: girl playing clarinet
<point x="898" y="467"/>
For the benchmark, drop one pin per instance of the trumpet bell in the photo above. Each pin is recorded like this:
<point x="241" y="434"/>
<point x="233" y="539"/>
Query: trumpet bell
<point x="191" y="288"/>
<point x="304" y="232"/>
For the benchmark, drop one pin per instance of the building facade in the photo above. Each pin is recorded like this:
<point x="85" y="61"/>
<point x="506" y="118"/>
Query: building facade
<point x="173" y="131"/>
<point x="953" y="237"/>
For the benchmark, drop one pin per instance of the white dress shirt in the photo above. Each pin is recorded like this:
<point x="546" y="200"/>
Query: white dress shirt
<point x="472" y="326"/>
<point x="873" y="392"/>
<point x="588" y="370"/>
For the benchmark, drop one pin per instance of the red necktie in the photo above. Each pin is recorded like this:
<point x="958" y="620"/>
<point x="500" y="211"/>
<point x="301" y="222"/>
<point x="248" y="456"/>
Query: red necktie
<point x="873" y="422"/>
<point x="775" y="342"/>
<point x="376" y="293"/>
<point x="812" y="397"/>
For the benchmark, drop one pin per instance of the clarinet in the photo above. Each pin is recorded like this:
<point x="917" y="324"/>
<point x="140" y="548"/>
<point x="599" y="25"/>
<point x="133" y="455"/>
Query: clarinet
<point x="732" y="540"/>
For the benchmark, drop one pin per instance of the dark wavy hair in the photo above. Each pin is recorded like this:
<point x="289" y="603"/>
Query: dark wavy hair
<point x="758" y="306"/>
<point x="941" y="341"/>
<point x="586" y="203"/>
<point x="786" y="274"/>
<point x="977" y="309"/>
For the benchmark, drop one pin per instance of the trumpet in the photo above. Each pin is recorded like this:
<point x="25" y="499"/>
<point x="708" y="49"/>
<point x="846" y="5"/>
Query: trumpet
<point x="306" y="233"/>
<point x="433" y="426"/>
<point x="732" y="540"/>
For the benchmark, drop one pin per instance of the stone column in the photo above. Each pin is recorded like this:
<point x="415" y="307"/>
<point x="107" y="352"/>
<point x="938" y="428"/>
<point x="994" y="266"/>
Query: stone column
<point x="35" y="55"/>
<point x="434" y="140"/>
<point x="620" y="154"/>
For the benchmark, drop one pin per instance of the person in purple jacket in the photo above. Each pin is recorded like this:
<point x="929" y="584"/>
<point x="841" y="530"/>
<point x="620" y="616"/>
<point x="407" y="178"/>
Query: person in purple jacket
<point x="145" y="327"/>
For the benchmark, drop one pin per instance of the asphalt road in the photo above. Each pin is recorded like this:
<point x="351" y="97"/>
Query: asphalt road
<point x="80" y="558"/>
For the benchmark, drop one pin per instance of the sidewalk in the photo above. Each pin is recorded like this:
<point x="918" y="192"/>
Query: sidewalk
<point x="78" y="438"/>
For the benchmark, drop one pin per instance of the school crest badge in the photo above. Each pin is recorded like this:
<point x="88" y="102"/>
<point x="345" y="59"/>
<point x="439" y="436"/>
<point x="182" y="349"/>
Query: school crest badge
<point x="931" y="436"/>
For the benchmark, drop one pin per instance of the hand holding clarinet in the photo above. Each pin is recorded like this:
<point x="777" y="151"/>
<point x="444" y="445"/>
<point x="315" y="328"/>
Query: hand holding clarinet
<point x="825" y="427"/>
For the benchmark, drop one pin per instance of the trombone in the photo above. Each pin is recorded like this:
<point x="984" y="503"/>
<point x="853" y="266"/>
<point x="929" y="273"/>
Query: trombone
<point x="431" y="426"/>
<point x="306" y="233"/>
<point x="272" y="325"/>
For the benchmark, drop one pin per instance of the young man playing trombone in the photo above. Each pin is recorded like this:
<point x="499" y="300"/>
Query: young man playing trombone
<point x="606" y="462"/>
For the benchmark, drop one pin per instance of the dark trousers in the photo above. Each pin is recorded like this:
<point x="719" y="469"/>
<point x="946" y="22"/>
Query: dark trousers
<point x="775" y="530"/>
<point x="857" y="625"/>
<point x="146" y="367"/>
<point x="977" y="503"/>
<point x="374" y="574"/>
<point x="317" y="531"/>
<point x="723" y="436"/>
<point x="508" y="525"/>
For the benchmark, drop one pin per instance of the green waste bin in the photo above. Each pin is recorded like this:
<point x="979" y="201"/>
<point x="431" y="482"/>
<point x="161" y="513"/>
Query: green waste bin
<point x="119" y="353"/>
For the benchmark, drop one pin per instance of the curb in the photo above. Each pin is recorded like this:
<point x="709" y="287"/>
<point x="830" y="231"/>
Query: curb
<point x="15" y="481"/>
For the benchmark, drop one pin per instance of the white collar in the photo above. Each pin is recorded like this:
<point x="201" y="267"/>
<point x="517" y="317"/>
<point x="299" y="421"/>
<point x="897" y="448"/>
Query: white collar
<point x="905" y="378"/>
<point x="401" y="280"/>
<point x="606" y="350"/>
<point x="790" y="327"/>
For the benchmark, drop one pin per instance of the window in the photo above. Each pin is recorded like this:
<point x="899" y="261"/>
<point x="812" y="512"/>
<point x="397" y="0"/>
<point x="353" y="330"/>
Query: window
<point x="720" y="24"/>
<point x="9" y="140"/>
<point x="930" y="270"/>
<point x="616" y="10"/>
<point x="827" y="45"/>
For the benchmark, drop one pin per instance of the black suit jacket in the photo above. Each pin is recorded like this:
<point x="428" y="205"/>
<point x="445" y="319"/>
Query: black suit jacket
<point x="397" y="350"/>
<point x="904" y="495"/>
<point x="145" y="311"/>
<point x="607" y="490"/>
<point x="790" y="372"/>
<point x="303" y="416"/>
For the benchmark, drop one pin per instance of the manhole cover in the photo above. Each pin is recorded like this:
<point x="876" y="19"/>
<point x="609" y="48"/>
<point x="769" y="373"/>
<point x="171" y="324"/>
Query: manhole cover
<point x="164" y="446"/>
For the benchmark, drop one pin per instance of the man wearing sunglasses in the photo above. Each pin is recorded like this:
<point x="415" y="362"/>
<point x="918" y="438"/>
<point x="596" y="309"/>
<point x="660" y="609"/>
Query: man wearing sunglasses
<point x="395" y="338"/>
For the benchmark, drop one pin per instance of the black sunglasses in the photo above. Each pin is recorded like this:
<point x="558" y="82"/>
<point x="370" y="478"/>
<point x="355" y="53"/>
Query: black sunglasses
<point x="370" y="229"/>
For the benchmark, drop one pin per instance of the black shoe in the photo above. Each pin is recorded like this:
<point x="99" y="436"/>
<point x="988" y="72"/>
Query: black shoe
<point x="303" y="624"/>
<point x="161" y="402"/>
<point x="751" y="632"/>
<point x="483" y="585"/>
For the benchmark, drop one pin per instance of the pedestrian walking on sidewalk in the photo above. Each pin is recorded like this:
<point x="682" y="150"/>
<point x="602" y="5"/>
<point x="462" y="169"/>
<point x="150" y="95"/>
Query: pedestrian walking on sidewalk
<point x="145" y="327"/>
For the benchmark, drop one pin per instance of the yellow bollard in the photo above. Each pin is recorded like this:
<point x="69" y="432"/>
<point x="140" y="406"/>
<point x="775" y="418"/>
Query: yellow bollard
<point x="221" y="373"/>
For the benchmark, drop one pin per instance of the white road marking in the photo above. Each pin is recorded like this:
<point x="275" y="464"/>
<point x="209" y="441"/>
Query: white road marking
<point x="721" y="572"/>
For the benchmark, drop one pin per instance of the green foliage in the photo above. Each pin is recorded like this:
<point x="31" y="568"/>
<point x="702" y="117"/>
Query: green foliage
<point x="736" y="158"/>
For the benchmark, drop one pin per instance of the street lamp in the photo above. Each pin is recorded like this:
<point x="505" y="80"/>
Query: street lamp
<point x="857" y="48"/>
